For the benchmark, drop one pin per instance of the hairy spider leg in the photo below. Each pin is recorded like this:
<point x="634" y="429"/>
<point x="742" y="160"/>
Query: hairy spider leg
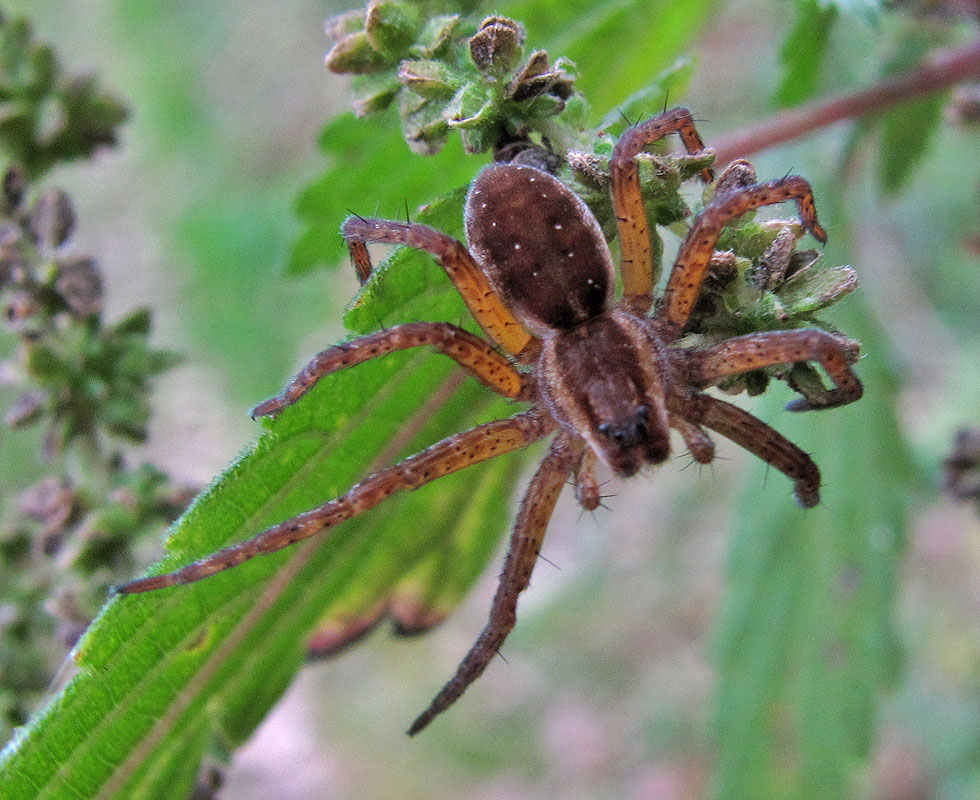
<point x="587" y="490"/>
<point x="756" y="437"/>
<point x="699" y="444"/>
<point x="481" y="299"/>
<point x="449" y="455"/>
<point x="757" y="350"/>
<point x="468" y="350"/>
<point x="691" y="266"/>
<point x="525" y="542"/>
<point x="627" y="199"/>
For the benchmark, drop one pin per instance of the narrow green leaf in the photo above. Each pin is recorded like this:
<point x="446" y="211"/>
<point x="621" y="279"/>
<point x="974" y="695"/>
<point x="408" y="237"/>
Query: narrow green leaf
<point x="163" y="675"/>
<point x="806" y="637"/>
<point x="906" y="133"/>
<point x="908" y="129"/>
<point x="803" y="52"/>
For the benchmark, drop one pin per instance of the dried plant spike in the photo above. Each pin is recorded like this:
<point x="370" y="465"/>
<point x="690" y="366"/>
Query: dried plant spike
<point x="52" y="219"/>
<point x="79" y="284"/>
<point x="737" y="175"/>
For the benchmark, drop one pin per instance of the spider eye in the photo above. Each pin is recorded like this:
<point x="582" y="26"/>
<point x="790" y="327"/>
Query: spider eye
<point x="604" y="428"/>
<point x="643" y="412"/>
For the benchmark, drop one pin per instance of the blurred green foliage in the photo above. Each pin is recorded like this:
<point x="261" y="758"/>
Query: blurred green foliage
<point x="47" y="116"/>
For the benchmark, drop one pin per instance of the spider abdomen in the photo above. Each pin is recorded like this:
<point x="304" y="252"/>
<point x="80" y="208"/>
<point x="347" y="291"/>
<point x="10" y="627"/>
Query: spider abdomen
<point x="540" y="246"/>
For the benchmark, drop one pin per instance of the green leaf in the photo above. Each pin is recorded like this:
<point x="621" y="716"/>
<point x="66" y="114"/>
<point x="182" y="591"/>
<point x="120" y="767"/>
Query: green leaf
<point x="803" y="51"/>
<point x="164" y="676"/>
<point x="671" y="82"/>
<point x="806" y="640"/>
<point x="623" y="63"/>
<point x="370" y="169"/>
<point x="906" y="132"/>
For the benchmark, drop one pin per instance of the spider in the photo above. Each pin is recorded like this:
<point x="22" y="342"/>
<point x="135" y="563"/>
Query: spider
<point x="605" y="379"/>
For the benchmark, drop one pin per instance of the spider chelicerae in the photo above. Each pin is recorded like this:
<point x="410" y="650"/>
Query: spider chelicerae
<point x="605" y="379"/>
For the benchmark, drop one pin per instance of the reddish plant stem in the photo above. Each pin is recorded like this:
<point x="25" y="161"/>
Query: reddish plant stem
<point x="941" y="71"/>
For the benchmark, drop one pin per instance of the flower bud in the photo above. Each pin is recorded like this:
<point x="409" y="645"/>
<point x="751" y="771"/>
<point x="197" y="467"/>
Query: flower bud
<point x="496" y="47"/>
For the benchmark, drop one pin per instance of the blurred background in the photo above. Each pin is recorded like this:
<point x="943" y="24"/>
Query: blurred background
<point x="609" y="688"/>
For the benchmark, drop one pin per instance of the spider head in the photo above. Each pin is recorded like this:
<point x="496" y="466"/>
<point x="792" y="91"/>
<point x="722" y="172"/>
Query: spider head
<point x="632" y="440"/>
<point x="602" y="381"/>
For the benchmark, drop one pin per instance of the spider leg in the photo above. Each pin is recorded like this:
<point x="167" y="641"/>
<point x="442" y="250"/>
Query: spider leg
<point x="696" y="250"/>
<point x="756" y="437"/>
<point x="631" y="218"/>
<point x="697" y="441"/>
<point x="525" y="542"/>
<point x="480" y="297"/>
<point x="450" y="455"/>
<point x="757" y="350"/>
<point x="587" y="490"/>
<point x="466" y="349"/>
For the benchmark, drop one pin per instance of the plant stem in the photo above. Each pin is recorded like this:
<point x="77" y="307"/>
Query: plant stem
<point x="941" y="71"/>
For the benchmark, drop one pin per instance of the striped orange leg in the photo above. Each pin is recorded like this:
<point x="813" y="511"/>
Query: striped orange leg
<point x="466" y="349"/>
<point x="480" y="297"/>
<point x="525" y="543"/>
<point x="627" y="199"/>
<point x="757" y="350"/>
<point x="450" y="455"/>
<point x="756" y="437"/>
<point x="696" y="250"/>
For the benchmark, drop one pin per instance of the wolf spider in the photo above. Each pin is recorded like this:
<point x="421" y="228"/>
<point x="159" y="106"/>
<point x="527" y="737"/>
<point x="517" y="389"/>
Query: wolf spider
<point x="605" y="378"/>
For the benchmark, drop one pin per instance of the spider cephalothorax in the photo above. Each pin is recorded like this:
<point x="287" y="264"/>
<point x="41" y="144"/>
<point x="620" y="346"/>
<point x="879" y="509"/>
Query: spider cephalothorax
<point x="606" y="379"/>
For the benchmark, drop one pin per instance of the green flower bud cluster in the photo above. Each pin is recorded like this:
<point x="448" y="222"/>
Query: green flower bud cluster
<point x="661" y="177"/>
<point x="89" y="379"/>
<point x="446" y="73"/>
<point x="46" y="116"/>
<point x="60" y="551"/>
<point x="760" y="280"/>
